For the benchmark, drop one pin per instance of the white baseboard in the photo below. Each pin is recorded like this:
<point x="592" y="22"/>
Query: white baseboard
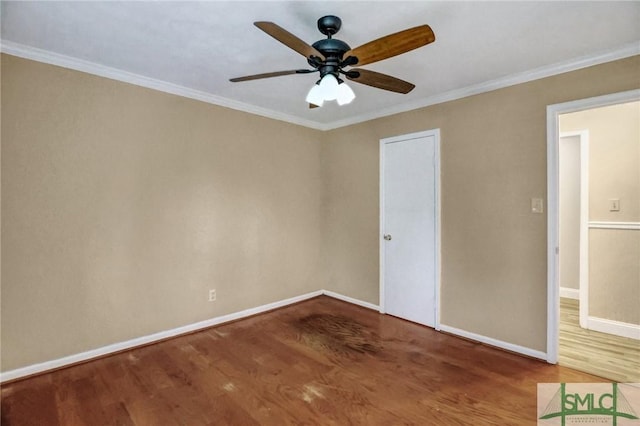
<point x="129" y="344"/>
<point x="351" y="300"/>
<point x="617" y="328"/>
<point x="570" y="293"/>
<point x="494" y="342"/>
<point x="139" y="341"/>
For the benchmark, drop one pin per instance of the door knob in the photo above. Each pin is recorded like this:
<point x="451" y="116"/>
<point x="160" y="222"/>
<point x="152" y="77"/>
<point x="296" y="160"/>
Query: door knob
<point x="387" y="237"/>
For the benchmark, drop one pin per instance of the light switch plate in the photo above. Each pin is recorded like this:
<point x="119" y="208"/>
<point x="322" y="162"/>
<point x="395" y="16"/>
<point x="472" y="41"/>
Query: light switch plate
<point x="614" y="205"/>
<point x="537" y="205"/>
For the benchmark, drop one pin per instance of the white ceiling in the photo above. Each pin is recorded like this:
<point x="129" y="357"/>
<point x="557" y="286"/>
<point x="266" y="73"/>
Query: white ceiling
<point x="193" y="48"/>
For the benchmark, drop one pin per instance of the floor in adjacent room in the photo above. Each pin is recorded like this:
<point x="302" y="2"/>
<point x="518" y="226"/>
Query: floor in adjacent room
<point x="318" y="362"/>
<point x="605" y="355"/>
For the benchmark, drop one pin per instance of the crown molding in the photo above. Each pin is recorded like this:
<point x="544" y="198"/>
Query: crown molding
<point x="625" y="51"/>
<point x="45" y="56"/>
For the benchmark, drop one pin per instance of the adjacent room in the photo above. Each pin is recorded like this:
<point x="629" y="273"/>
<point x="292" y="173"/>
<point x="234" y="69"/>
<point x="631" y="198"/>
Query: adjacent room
<point x="347" y="212"/>
<point x="599" y="171"/>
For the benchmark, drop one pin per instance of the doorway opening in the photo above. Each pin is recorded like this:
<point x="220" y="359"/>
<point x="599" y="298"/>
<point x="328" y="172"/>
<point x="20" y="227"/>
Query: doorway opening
<point x="593" y="157"/>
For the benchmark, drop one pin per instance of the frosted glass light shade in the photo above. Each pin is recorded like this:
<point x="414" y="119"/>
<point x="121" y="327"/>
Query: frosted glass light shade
<point x="345" y="94"/>
<point x="315" y="96"/>
<point x="329" y="87"/>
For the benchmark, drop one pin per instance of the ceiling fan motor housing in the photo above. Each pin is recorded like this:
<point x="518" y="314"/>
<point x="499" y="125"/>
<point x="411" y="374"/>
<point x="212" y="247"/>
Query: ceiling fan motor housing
<point x="332" y="49"/>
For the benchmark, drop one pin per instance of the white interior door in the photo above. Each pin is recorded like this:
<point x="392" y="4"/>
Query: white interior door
<point x="409" y="227"/>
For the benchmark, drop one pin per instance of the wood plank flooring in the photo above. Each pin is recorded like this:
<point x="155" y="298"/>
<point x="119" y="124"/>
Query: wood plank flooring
<point x="605" y="355"/>
<point x="319" y="362"/>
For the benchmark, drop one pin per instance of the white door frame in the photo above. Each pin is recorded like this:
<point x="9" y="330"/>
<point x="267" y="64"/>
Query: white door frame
<point x="553" y="138"/>
<point x="436" y="134"/>
<point x="583" y="275"/>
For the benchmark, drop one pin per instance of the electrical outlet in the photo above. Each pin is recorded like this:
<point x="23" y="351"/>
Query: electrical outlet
<point x="212" y="295"/>
<point x="537" y="205"/>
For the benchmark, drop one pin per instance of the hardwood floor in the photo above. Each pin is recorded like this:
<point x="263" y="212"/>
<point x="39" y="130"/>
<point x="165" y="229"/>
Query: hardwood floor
<point x="319" y="362"/>
<point x="605" y="355"/>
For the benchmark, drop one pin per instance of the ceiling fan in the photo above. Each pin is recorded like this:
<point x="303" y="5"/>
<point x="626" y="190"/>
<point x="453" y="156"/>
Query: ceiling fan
<point x="332" y="57"/>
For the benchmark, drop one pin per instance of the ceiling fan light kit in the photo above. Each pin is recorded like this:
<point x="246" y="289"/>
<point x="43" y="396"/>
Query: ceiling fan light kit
<point x="329" y="88"/>
<point x="331" y="57"/>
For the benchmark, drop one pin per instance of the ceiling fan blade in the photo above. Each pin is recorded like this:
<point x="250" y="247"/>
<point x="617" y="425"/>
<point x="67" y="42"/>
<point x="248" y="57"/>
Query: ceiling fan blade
<point x="269" y="75"/>
<point x="392" y="45"/>
<point x="380" y="81"/>
<point x="312" y="106"/>
<point x="288" y="39"/>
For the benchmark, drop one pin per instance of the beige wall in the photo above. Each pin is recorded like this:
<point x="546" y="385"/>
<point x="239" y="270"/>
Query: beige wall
<point x="614" y="173"/>
<point x="123" y="206"/>
<point x="614" y="275"/>
<point x="494" y="271"/>
<point x="614" y="158"/>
